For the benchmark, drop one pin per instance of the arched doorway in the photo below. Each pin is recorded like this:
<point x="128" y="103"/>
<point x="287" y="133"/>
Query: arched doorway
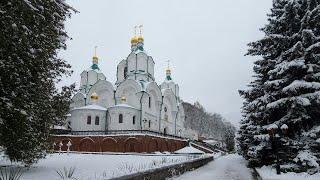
<point x="153" y="146"/>
<point x="132" y="145"/>
<point x="87" y="145"/>
<point x="164" y="146"/>
<point x="109" y="145"/>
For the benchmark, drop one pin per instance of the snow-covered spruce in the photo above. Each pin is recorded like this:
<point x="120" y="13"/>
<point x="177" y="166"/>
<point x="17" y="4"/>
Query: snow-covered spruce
<point x="31" y="33"/>
<point x="284" y="100"/>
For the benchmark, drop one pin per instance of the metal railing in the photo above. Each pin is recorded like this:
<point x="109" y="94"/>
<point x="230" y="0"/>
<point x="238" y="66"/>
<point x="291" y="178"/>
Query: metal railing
<point x="115" y="132"/>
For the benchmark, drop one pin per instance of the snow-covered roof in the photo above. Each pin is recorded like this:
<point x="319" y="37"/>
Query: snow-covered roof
<point x="92" y="106"/>
<point x="90" y="69"/>
<point x="189" y="150"/>
<point x="140" y="51"/>
<point x="123" y="105"/>
<point x="59" y="127"/>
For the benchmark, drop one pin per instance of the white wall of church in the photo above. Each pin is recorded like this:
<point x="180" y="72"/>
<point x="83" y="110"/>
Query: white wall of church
<point x="120" y="71"/>
<point x="79" y="120"/>
<point x="151" y="66"/>
<point x="131" y="60"/>
<point x="130" y="118"/>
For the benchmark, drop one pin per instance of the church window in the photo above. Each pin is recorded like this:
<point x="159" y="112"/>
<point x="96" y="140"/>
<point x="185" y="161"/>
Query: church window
<point x="89" y="120"/>
<point x="97" y="120"/>
<point x="165" y="109"/>
<point x="149" y="123"/>
<point x="125" y="72"/>
<point x="120" y="118"/>
<point x="134" y="120"/>
<point x="149" y="102"/>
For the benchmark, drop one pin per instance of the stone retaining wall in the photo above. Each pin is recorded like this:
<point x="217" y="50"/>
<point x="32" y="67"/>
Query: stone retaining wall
<point x="167" y="171"/>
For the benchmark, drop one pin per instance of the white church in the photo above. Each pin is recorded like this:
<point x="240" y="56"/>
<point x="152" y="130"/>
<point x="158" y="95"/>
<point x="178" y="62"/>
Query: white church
<point x="134" y="102"/>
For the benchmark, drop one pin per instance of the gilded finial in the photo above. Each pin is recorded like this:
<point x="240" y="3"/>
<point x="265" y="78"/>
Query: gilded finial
<point x="95" y="57"/>
<point x="134" y="39"/>
<point x="168" y="70"/>
<point x="140" y="38"/>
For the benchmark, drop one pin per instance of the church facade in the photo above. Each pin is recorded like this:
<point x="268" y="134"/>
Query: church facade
<point x="134" y="102"/>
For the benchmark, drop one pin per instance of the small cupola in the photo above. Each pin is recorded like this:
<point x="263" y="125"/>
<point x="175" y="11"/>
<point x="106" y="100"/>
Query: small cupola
<point x="95" y="60"/>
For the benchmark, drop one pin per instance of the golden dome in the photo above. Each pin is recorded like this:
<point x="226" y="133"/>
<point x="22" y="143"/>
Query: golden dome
<point x="95" y="59"/>
<point x="94" y="96"/>
<point x="123" y="99"/>
<point x="140" y="38"/>
<point x="134" y="39"/>
<point x="168" y="70"/>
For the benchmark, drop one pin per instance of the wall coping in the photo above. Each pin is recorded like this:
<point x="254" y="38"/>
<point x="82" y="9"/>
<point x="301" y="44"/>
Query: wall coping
<point x="181" y="167"/>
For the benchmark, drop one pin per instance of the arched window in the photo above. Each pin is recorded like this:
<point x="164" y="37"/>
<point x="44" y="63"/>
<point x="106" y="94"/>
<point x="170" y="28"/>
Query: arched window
<point x="97" y="120"/>
<point x="149" y="123"/>
<point x="125" y="71"/>
<point x="120" y="118"/>
<point x="165" y="109"/>
<point x="89" y="120"/>
<point x="149" y="102"/>
<point x="134" y="120"/>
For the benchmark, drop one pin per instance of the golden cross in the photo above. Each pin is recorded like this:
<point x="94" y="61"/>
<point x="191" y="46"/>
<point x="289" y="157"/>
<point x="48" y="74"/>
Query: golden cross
<point x="140" y="28"/>
<point x="95" y="50"/>
<point x="135" y="30"/>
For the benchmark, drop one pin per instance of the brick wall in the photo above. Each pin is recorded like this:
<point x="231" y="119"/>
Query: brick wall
<point x="123" y="143"/>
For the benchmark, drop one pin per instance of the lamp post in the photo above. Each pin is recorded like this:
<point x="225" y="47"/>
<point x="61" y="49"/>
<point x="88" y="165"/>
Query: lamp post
<point x="274" y="134"/>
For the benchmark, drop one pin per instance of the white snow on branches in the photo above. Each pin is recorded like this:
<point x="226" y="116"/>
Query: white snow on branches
<point x="307" y="158"/>
<point x="298" y="100"/>
<point x="301" y="84"/>
<point x="284" y="66"/>
<point x="262" y="137"/>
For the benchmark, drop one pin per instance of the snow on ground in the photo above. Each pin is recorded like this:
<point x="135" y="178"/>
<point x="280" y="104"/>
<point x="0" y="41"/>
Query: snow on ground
<point x="269" y="173"/>
<point x="96" y="166"/>
<point x="189" y="150"/>
<point x="229" y="167"/>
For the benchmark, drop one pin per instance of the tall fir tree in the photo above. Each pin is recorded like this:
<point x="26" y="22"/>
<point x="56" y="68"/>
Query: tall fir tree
<point x="32" y="32"/>
<point x="286" y="90"/>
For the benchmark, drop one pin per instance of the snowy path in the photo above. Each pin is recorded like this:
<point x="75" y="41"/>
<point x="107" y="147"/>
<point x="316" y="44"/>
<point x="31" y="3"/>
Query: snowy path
<point x="229" y="167"/>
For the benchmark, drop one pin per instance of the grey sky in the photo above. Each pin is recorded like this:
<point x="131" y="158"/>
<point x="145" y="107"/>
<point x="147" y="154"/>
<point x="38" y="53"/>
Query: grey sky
<point x="205" y="40"/>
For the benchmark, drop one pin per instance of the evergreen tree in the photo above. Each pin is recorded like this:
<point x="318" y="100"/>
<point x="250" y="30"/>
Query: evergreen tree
<point x="285" y="92"/>
<point x="61" y="104"/>
<point x="32" y="32"/>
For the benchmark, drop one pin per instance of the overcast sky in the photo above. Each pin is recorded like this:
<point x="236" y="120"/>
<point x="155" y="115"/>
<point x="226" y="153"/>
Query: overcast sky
<point x="205" y="41"/>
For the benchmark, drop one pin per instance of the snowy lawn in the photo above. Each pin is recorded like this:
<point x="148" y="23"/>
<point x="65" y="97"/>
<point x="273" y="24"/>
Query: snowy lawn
<point x="229" y="167"/>
<point x="270" y="174"/>
<point x="96" y="166"/>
